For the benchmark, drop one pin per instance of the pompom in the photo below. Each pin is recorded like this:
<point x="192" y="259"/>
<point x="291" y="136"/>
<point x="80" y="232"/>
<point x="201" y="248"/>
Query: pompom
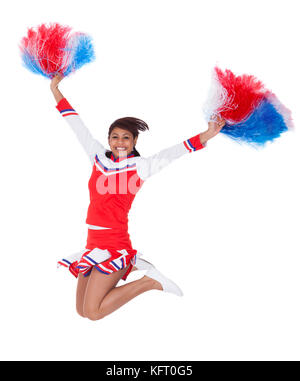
<point x="53" y="49"/>
<point x="244" y="94"/>
<point x="252" y="113"/>
<point x="264" y="124"/>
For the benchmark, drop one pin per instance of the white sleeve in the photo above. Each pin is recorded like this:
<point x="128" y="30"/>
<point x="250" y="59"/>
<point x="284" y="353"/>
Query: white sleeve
<point x="147" y="167"/>
<point x="90" y="145"/>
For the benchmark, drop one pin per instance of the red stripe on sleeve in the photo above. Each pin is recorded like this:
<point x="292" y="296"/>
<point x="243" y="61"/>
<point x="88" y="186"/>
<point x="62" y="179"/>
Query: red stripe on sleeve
<point x="70" y="113"/>
<point x="187" y="147"/>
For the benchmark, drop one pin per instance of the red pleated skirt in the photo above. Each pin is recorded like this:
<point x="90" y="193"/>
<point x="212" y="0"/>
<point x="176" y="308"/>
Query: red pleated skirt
<point x="108" y="250"/>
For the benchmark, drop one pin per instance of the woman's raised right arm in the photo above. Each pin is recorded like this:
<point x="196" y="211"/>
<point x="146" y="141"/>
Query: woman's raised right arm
<point x="90" y="145"/>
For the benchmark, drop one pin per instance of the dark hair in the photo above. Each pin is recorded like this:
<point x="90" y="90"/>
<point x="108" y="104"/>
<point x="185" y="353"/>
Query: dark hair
<point x="131" y="124"/>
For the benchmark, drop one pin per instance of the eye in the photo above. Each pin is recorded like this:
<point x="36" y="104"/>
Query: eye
<point x="126" y="137"/>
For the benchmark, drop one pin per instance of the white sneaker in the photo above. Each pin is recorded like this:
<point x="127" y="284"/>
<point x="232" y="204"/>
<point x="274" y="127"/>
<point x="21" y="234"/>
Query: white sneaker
<point x="167" y="284"/>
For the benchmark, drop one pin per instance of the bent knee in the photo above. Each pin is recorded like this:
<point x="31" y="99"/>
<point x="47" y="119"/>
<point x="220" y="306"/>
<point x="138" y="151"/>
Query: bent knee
<point x="93" y="314"/>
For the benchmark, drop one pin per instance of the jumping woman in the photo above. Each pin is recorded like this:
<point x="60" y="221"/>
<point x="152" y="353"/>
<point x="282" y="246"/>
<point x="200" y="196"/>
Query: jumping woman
<point x="117" y="175"/>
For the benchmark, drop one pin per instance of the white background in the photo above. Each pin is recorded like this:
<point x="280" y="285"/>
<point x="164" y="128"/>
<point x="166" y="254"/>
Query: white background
<point x="223" y="222"/>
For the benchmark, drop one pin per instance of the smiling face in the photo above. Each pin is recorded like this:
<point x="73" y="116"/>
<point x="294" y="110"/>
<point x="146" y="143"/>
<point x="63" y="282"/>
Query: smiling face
<point x="121" y="142"/>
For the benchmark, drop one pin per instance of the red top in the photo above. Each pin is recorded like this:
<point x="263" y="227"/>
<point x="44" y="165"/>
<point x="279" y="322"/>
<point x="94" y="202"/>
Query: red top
<point x="114" y="182"/>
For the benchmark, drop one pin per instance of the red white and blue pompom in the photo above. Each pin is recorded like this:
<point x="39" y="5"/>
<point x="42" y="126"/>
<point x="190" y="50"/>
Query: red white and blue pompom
<point x="253" y="114"/>
<point x="53" y="49"/>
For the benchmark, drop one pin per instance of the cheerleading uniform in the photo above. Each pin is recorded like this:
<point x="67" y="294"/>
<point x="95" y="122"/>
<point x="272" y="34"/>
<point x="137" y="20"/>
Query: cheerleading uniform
<point x="113" y="185"/>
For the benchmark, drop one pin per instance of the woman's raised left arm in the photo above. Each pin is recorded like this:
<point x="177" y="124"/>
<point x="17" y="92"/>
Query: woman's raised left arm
<point x="147" y="167"/>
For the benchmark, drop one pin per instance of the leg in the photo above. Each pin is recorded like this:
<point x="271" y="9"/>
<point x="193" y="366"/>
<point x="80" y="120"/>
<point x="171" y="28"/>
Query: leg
<point x="102" y="297"/>
<point x="80" y="293"/>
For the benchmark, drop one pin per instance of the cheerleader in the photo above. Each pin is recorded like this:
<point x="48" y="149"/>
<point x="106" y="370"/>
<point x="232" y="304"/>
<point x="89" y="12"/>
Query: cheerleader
<point x="117" y="175"/>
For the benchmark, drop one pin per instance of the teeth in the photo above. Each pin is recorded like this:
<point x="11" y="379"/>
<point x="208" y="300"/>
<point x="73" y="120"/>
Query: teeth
<point x="121" y="149"/>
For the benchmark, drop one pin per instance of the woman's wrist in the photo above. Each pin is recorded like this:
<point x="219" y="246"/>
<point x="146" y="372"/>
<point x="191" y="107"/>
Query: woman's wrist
<point x="205" y="136"/>
<point x="54" y="88"/>
<point x="56" y="93"/>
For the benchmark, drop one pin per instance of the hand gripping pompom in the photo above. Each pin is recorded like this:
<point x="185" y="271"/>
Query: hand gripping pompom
<point x="53" y="49"/>
<point x="252" y="113"/>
